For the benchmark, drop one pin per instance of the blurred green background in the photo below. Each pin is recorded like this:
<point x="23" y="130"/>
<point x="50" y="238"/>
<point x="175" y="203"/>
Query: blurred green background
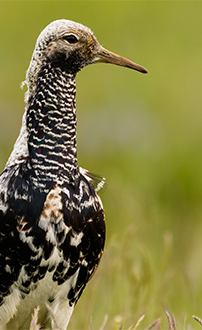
<point x="143" y="133"/>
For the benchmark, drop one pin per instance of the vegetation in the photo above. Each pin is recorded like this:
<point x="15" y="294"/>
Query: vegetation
<point x="154" y="325"/>
<point x="144" y="134"/>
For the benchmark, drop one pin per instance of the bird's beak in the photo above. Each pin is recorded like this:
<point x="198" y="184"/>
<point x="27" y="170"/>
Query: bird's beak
<point x="105" y="56"/>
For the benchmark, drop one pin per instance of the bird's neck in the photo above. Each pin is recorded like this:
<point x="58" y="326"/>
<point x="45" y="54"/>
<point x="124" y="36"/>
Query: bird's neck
<point x="51" y="124"/>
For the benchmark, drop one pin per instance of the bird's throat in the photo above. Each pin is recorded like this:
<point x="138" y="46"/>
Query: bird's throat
<point x="51" y="123"/>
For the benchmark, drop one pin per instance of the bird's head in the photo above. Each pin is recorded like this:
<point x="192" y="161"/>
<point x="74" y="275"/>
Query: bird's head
<point x="71" y="46"/>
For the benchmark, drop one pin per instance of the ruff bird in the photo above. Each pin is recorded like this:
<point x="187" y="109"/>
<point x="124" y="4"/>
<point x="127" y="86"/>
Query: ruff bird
<point x="52" y="225"/>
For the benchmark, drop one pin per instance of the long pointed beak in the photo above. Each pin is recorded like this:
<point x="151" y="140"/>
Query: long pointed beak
<point x="105" y="56"/>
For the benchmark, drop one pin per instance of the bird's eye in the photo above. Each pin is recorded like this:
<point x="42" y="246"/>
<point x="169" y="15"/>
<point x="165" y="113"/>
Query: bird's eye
<point x="71" y="39"/>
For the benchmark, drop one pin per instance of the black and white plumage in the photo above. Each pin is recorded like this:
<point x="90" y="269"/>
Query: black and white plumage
<point x="52" y="226"/>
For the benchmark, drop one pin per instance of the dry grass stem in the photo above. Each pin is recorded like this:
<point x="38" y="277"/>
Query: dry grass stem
<point x="138" y="323"/>
<point x="121" y="326"/>
<point x="169" y="321"/>
<point x="34" y="321"/>
<point x="104" y="322"/>
<point x="156" y="324"/>
<point x="91" y="323"/>
<point x="102" y="325"/>
<point x="197" y="319"/>
<point x="174" y="322"/>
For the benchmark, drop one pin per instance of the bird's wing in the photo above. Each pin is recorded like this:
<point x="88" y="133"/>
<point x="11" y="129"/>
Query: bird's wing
<point x="83" y="244"/>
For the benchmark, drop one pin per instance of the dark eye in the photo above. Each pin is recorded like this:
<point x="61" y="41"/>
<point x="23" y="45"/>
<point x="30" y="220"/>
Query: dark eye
<point x="71" y="39"/>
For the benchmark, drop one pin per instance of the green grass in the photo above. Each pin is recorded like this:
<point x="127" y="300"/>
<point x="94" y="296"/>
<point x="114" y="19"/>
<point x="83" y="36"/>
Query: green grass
<point x="144" y="134"/>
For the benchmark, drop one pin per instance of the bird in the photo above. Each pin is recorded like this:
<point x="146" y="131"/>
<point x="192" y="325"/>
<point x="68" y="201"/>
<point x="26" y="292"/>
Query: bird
<point x="52" y="222"/>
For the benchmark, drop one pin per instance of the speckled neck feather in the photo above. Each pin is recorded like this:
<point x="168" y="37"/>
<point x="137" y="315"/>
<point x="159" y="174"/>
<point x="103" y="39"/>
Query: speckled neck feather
<point x="51" y="123"/>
